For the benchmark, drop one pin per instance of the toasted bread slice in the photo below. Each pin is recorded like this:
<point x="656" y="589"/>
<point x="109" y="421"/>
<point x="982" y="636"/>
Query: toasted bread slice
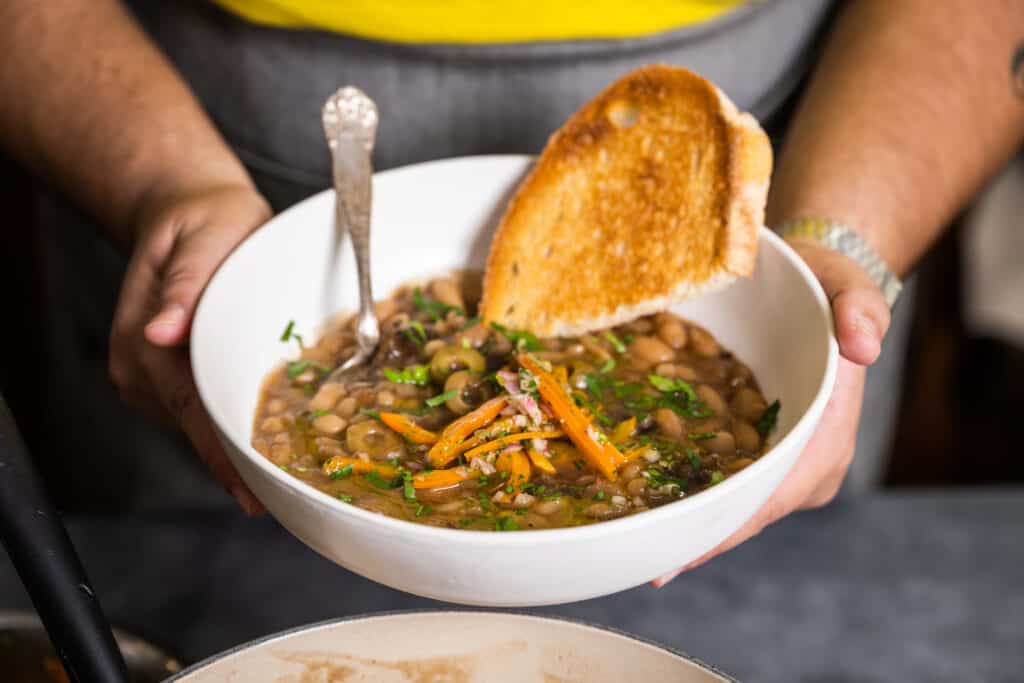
<point x="652" y="193"/>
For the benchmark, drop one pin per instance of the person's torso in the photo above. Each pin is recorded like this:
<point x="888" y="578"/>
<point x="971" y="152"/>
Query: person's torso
<point x="264" y="85"/>
<point x="482" y="21"/>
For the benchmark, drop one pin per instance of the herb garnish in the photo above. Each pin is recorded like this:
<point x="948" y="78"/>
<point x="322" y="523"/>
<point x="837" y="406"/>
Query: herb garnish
<point x="599" y="495"/>
<point x="657" y="478"/>
<point x="415" y="333"/>
<point x="702" y="436"/>
<point x="506" y="524"/>
<point x="380" y="482"/>
<point x="435" y="401"/>
<point x="408" y="490"/>
<point x="695" y="461"/>
<point x="615" y="341"/>
<point x="463" y="523"/>
<point x="423" y="510"/>
<point x="716" y="477"/>
<point x="371" y="412"/>
<point x="521" y="339"/>
<point x="607" y="366"/>
<point x="288" y="334"/>
<point x="344" y="498"/>
<point x="341" y="473"/>
<point x="470" y="323"/>
<point x="414" y="374"/>
<point x="434" y="309"/>
<point x="584" y="402"/>
<point x="768" y="418"/>
<point x="297" y="367"/>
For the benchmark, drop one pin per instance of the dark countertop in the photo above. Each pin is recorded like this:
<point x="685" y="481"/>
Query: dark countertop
<point x="893" y="587"/>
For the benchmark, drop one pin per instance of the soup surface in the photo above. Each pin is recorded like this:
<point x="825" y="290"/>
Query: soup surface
<point x="462" y="425"/>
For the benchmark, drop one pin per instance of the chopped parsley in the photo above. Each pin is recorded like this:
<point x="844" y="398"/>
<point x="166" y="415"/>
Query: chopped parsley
<point x="656" y="478"/>
<point x="600" y="495"/>
<point x="290" y="334"/>
<point x="408" y="490"/>
<point x="615" y="341"/>
<point x="297" y="367"/>
<point x="380" y="482"/>
<point x="471" y="323"/>
<point x="371" y="412"/>
<point x="423" y="510"/>
<point x="341" y="472"/>
<point x="716" y="477"/>
<point x="695" y="461"/>
<point x="319" y="413"/>
<point x="415" y="333"/>
<point x="678" y="396"/>
<point x="521" y="339"/>
<point x="414" y="374"/>
<point x="702" y="436"/>
<point x="435" y="401"/>
<point x="434" y="309"/>
<point x="506" y="524"/>
<point x="768" y="418"/>
<point x="607" y="366"/>
<point x="584" y="402"/>
<point x="344" y="498"/>
<point x="463" y="523"/>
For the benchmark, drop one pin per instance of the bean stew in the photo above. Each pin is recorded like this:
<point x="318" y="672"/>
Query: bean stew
<point x="469" y="426"/>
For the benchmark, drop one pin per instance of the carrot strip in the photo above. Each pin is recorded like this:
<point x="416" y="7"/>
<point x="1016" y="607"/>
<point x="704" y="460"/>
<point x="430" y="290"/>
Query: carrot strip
<point x="360" y="466"/>
<point x="561" y="374"/>
<point x="438" y="478"/>
<point x="446" y="448"/>
<point x="623" y="431"/>
<point x="503" y="441"/>
<point x="404" y="425"/>
<point x="516" y="464"/>
<point x="599" y="452"/>
<point x="540" y="461"/>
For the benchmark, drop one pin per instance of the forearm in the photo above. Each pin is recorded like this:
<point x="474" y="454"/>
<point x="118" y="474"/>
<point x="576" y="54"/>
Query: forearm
<point x="91" y="104"/>
<point x="912" y="107"/>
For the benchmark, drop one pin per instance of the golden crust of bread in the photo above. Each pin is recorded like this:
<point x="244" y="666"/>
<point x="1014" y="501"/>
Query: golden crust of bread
<point x="651" y="193"/>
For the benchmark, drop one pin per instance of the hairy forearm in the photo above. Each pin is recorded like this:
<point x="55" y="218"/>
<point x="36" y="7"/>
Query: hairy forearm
<point x="912" y="107"/>
<point x="92" y="105"/>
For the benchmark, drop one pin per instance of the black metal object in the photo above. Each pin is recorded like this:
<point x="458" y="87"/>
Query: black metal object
<point x="41" y="551"/>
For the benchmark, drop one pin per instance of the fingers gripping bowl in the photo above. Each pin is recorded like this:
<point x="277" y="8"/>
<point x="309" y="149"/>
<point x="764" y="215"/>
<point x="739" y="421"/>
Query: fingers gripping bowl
<point x="431" y="219"/>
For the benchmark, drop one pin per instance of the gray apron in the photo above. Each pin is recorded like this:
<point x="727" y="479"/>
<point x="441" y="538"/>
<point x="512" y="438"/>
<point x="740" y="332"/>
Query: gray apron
<point x="264" y="87"/>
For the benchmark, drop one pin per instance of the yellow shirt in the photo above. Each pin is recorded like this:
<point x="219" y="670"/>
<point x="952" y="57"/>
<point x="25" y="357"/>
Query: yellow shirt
<point x="482" y="21"/>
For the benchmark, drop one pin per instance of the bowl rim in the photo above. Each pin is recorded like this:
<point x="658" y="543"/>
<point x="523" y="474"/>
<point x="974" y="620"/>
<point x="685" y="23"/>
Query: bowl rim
<point x="391" y="614"/>
<point x="481" y="538"/>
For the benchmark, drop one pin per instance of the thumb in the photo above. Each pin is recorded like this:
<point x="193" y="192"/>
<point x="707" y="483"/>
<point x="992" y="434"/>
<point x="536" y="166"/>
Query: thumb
<point x="860" y="312"/>
<point x="197" y="254"/>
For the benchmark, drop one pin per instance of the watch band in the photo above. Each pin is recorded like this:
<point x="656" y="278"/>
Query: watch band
<point x="842" y="239"/>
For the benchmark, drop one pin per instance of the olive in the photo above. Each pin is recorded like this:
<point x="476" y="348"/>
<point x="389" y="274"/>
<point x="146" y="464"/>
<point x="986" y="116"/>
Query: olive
<point x="374" y="439"/>
<point x="462" y="382"/>
<point x="449" y="358"/>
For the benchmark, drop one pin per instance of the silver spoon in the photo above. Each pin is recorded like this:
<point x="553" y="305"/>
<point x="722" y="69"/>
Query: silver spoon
<point x="350" y="124"/>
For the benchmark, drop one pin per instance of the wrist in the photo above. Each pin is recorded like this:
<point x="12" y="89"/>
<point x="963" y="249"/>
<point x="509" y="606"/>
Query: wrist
<point x="164" y="196"/>
<point x="841" y="239"/>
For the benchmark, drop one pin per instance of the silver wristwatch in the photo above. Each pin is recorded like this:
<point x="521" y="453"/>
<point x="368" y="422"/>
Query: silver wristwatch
<point x="840" y="238"/>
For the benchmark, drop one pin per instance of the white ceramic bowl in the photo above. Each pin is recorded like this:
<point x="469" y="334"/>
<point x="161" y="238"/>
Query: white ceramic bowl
<point x="431" y="218"/>
<point x="468" y="647"/>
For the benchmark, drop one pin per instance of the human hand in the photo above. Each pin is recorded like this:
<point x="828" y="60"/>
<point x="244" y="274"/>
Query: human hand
<point x="861" y="320"/>
<point x="180" y="244"/>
